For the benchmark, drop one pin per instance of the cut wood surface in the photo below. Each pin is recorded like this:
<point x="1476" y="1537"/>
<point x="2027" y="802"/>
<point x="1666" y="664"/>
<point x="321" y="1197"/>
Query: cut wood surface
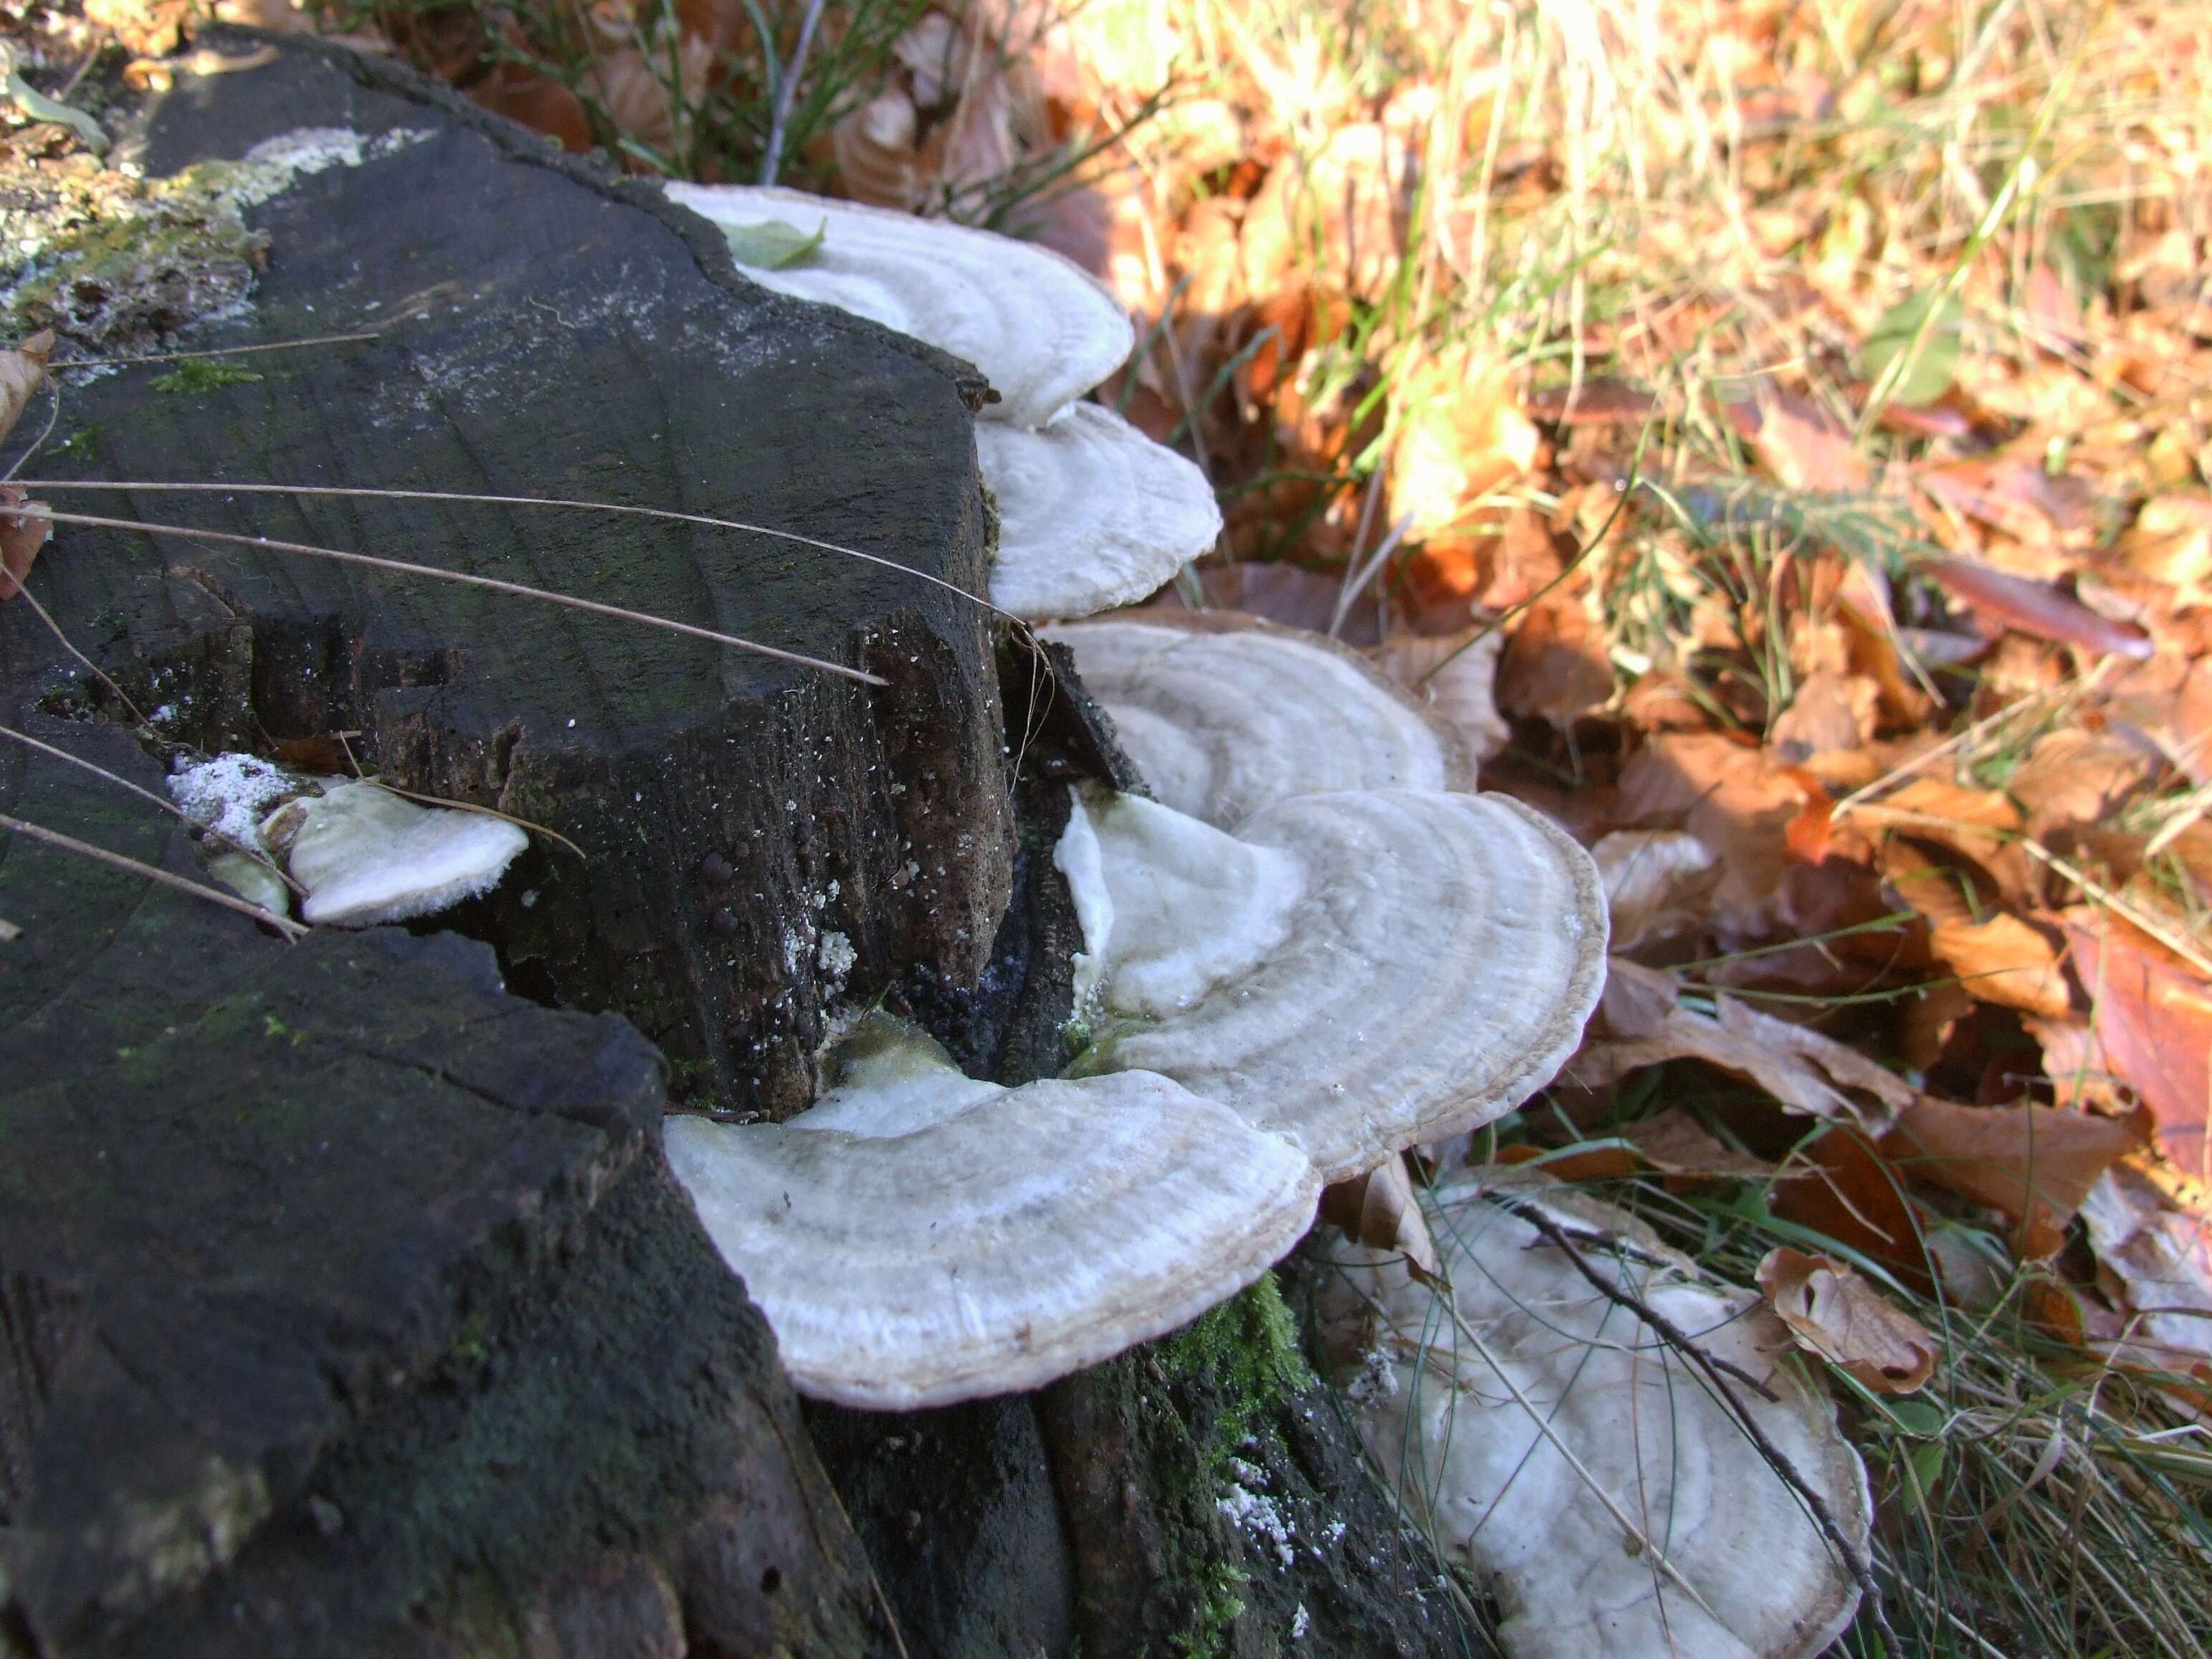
<point x="346" y="1305"/>
<point x="749" y="826"/>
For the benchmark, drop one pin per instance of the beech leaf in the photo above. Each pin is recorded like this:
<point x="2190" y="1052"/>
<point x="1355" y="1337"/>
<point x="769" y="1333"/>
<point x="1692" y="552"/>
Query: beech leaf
<point x="1836" y="1314"/>
<point x="1928" y="376"/>
<point x="770" y="245"/>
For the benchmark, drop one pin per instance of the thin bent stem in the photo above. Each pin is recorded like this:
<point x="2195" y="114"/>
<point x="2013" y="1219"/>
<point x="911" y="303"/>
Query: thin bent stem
<point x="402" y="567"/>
<point x="284" y="925"/>
<point x="666" y="514"/>
<point x="168" y="806"/>
<point x="23" y="592"/>
<point x="787" y="92"/>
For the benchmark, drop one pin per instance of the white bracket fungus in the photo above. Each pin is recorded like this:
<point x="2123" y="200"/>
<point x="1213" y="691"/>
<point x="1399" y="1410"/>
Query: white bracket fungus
<point x="1554" y="1444"/>
<point x="919" y="1237"/>
<point x="1092" y="513"/>
<point x="366" y="856"/>
<point x="1226" y="715"/>
<point x="1357" y="971"/>
<point x="1042" y="332"/>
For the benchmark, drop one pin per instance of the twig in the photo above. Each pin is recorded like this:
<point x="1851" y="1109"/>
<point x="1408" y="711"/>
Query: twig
<point x="787" y="90"/>
<point x="284" y="925"/>
<point x="1815" y="1505"/>
<point x="23" y="592"/>
<point x="218" y="351"/>
<point x="168" y="806"/>
<point x="404" y="568"/>
<point x="666" y="514"/>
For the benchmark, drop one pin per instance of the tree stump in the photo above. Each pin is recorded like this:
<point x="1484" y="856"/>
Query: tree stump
<point x="346" y="1305"/>
<point x="759" y="838"/>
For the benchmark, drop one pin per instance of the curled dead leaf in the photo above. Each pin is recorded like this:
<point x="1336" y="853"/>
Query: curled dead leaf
<point x="1380" y="1209"/>
<point x="1836" y="1314"/>
<point x="25" y="525"/>
<point x="1555" y="668"/>
<point x="1801" y="1069"/>
<point x="22" y="371"/>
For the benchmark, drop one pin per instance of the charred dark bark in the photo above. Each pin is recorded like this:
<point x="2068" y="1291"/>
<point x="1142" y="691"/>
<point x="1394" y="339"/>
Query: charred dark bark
<point x="760" y="839"/>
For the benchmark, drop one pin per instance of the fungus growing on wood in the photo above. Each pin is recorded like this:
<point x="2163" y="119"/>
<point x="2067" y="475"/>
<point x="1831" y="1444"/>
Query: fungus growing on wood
<point x="1565" y="1450"/>
<point x="1042" y="332"/>
<point x="1092" y="513"/>
<point x="366" y="856"/>
<point x="1357" y="971"/>
<point x="1224" y="715"/>
<point x="919" y="1237"/>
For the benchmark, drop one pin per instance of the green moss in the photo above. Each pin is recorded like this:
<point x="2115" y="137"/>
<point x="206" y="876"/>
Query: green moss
<point x="204" y="374"/>
<point x="1210" y="1633"/>
<point x="1245" y="1353"/>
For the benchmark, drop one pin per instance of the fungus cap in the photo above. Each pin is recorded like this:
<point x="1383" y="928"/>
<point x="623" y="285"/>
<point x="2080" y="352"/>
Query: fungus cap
<point x="366" y="856"/>
<point x="920" y="1238"/>
<point x="1043" y="332"/>
<point x="1092" y="513"/>
<point x="1224" y="715"/>
<point x="1357" y="972"/>
<point x="1491" y="1484"/>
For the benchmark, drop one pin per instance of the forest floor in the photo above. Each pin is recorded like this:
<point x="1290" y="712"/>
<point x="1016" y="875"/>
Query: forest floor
<point x="1780" y="436"/>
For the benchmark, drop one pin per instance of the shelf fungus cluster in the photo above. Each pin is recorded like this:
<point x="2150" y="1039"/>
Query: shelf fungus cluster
<point x="918" y="1237"/>
<point x="357" y="854"/>
<point x="1570" y="1455"/>
<point x="1331" y="955"/>
<point x="1092" y="513"/>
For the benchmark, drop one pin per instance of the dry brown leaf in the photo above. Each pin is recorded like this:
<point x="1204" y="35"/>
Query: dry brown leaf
<point x="1833" y="1312"/>
<point x="2153" y="1019"/>
<point x="25" y="525"/>
<point x="2015" y="496"/>
<point x="22" y="371"/>
<point x="2075" y="777"/>
<point x="1999" y="957"/>
<point x="2035" y="608"/>
<point x="1460" y="435"/>
<point x="1456" y="674"/>
<point x="1658" y="883"/>
<point x="1801" y="1069"/>
<point x="1798" y="443"/>
<point x="2155" y="1260"/>
<point x="2170" y="540"/>
<point x="2033" y="1163"/>
<point x="1675" y="1144"/>
<point x="1737" y="799"/>
<point x="1555" y="668"/>
<point x="1830" y="711"/>
<point x="1380" y="1208"/>
<point x="1848" y="1192"/>
<point x="1984" y="825"/>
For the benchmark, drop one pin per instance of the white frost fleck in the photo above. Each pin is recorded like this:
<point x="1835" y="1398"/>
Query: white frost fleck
<point x="229" y="795"/>
<point x="1256" y="1513"/>
<point x="1299" y="1622"/>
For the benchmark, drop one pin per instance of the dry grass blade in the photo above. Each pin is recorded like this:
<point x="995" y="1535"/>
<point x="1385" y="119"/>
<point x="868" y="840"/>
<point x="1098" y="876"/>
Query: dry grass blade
<point x="284" y="925"/>
<point x="168" y="806"/>
<point x="664" y="514"/>
<point x="400" y="567"/>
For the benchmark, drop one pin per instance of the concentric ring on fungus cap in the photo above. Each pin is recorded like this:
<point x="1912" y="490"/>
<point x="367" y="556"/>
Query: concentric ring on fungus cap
<point x="1041" y="330"/>
<point x="920" y="1238"/>
<point x="1358" y="972"/>
<point x="1092" y="513"/>
<point x="1225" y="714"/>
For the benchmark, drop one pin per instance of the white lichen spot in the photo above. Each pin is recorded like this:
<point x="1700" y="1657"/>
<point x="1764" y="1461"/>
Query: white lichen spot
<point x="1256" y="1513"/>
<point x="230" y="795"/>
<point x="1300" y="1622"/>
<point x="836" y="956"/>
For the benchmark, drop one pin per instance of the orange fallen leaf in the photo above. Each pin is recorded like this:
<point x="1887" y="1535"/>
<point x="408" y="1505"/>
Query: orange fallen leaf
<point x="1833" y="1312"/>
<point x="2154" y="1022"/>
<point x="1456" y="674"/>
<point x="1734" y="798"/>
<point x="1848" y="1192"/>
<point x="1997" y="955"/>
<point x="2033" y="1163"/>
<point x="1658" y="883"/>
<point x="1798" y="443"/>
<point x="1555" y="668"/>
